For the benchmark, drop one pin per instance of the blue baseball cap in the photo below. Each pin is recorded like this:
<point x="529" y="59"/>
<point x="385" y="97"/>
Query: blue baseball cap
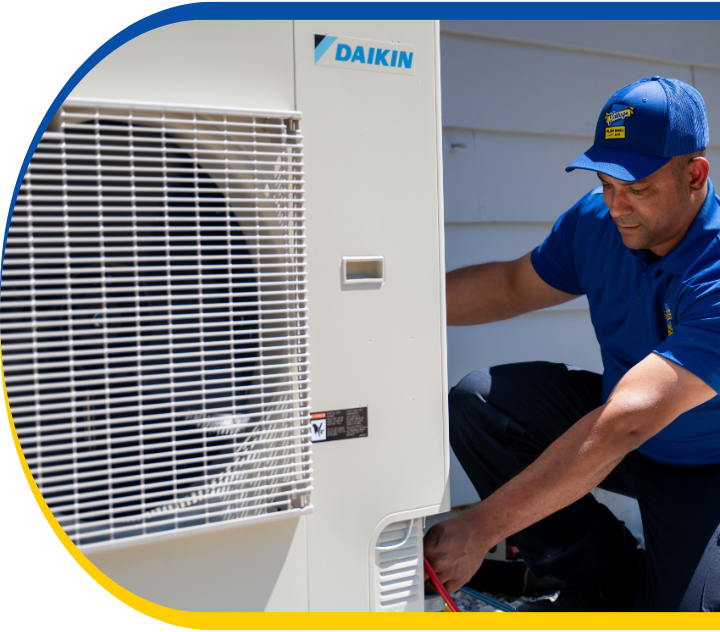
<point x="644" y="125"/>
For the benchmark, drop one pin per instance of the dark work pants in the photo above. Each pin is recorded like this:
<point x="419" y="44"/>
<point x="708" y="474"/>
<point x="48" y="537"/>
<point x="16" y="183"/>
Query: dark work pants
<point x="502" y="418"/>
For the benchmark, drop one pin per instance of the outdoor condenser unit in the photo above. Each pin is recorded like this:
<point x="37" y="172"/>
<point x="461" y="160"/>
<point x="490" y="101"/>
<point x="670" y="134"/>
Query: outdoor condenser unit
<point x="218" y="212"/>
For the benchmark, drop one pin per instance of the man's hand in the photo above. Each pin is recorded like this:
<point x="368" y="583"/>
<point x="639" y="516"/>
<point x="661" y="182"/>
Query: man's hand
<point x="455" y="550"/>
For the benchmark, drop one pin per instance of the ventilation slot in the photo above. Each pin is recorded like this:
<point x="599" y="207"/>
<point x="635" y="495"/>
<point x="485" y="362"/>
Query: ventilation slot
<point x="153" y="319"/>
<point x="398" y="563"/>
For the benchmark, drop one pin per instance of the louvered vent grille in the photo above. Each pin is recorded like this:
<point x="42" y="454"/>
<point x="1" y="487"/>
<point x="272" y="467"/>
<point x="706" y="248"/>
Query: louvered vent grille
<point x="398" y="560"/>
<point x="153" y="319"/>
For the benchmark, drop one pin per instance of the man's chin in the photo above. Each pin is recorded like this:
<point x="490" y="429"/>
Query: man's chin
<point x="633" y="245"/>
<point x="634" y="242"/>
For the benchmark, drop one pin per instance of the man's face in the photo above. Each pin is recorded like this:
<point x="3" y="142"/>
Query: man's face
<point x="651" y="213"/>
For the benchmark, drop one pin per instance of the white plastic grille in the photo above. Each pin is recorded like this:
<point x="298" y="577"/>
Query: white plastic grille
<point x="398" y="563"/>
<point x="153" y="319"/>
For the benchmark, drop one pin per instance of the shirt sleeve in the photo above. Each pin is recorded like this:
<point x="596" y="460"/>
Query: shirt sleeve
<point x="695" y="341"/>
<point x="554" y="259"/>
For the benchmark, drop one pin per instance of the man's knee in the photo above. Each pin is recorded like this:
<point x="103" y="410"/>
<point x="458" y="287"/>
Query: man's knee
<point x="474" y="421"/>
<point x="467" y="397"/>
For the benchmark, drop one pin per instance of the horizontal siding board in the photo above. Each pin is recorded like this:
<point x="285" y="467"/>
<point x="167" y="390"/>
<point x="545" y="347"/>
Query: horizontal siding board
<point x="523" y="179"/>
<point x="460" y="181"/>
<point x="708" y="84"/>
<point x="501" y="86"/>
<point x="511" y="177"/>
<point x="687" y="41"/>
<point x="713" y="156"/>
<point x="468" y="244"/>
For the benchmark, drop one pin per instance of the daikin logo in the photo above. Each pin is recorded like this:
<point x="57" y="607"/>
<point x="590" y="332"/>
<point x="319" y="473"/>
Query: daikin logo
<point x="349" y="52"/>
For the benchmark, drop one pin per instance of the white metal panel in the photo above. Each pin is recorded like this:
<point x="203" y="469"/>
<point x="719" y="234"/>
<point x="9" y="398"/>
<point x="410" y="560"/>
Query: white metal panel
<point x="502" y="86"/>
<point x="259" y="567"/>
<point x="678" y="41"/>
<point x="221" y="63"/>
<point x="372" y="185"/>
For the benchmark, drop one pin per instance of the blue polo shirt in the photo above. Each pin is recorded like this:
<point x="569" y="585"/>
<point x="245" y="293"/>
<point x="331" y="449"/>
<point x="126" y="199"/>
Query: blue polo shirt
<point x="670" y="307"/>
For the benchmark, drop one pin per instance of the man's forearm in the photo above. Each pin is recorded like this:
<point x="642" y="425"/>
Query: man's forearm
<point x="570" y="468"/>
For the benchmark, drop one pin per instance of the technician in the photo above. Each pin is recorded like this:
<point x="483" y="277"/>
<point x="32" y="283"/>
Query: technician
<point x="535" y="438"/>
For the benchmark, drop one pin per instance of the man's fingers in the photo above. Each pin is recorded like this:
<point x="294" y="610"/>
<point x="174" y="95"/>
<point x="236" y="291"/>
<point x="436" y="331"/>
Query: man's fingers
<point x="449" y="552"/>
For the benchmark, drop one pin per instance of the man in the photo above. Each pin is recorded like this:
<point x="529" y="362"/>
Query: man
<point x="536" y="438"/>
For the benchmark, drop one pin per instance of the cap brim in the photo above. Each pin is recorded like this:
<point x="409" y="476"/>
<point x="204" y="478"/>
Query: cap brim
<point x="623" y="165"/>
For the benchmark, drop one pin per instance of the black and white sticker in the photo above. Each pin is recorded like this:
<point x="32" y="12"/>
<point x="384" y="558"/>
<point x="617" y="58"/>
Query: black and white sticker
<point x="334" y="425"/>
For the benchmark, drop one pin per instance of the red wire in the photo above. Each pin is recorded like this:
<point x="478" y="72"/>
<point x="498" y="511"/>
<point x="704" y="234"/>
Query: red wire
<point x="440" y="588"/>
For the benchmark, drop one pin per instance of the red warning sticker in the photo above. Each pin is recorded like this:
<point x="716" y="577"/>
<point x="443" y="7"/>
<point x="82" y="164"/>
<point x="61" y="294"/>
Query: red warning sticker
<point x="334" y="425"/>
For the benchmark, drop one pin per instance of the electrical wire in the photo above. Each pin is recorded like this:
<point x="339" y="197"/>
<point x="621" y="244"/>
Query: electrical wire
<point x="499" y="605"/>
<point x="440" y="588"/>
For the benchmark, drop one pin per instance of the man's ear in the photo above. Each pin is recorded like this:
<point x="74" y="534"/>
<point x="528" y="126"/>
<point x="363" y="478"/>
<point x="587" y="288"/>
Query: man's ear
<point x="699" y="168"/>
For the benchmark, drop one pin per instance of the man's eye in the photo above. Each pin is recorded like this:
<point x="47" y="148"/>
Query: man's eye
<point x="637" y="191"/>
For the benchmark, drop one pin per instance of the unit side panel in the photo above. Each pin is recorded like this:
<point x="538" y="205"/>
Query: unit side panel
<point x="216" y="63"/>
<point x="371" y="171"/>
<point x="259" y="567"/>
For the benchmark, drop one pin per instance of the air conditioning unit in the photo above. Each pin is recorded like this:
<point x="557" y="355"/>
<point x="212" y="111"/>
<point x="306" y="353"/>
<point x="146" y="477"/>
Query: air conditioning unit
<point x="218" y="212"/>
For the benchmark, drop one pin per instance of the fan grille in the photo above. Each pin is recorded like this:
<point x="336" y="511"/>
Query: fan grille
<point x="153" y="319"/>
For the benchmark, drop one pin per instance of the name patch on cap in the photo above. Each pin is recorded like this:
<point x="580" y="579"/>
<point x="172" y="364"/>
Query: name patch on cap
<point x="615" y="120"/>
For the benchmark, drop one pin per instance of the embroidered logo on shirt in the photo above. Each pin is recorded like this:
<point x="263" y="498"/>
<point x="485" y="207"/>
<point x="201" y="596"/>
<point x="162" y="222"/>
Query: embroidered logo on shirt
<point x="615" y="120"/>
<point x="668" y="318"/>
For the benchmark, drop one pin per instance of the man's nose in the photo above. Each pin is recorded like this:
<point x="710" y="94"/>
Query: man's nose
<point x="618" y="204"/>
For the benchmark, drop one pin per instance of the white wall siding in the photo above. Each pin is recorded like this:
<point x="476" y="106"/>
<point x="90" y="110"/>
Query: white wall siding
<point x="520" y="103"/>
<point x="506" y="176"/>
<point x="490" y="84"/>
<point x="682" y="42"/>
<point x="707" y="81"/>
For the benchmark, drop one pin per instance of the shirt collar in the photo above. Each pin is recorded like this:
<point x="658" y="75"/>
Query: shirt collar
<point x="704" y="228"/>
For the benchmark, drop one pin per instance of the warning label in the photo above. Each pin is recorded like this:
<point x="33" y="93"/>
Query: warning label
<point x="334" y="425"/>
